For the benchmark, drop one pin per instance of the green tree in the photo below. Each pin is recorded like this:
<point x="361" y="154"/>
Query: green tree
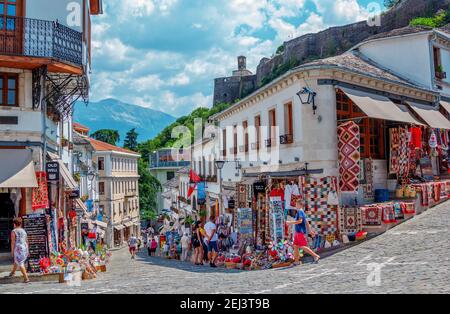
<point x="107" y="136"/>
<point x="149" y="187"/>
<point x="130" y="141"/>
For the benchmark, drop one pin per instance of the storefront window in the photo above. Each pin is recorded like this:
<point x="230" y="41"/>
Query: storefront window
<point x="371" y="130"/>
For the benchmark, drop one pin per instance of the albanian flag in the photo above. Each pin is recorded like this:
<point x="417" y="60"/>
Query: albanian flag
<point x="193" y="177"/>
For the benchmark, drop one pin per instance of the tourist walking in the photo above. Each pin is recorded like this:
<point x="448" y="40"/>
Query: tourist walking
<point x="211" y="241"/>
<point x="302" y="229"/>
<point x="185" y="241"/>
<point x="197" y="242"/>
<point x="132" y="245"/>
<point x="19" y="249"/>
<point x="151" y="247"/>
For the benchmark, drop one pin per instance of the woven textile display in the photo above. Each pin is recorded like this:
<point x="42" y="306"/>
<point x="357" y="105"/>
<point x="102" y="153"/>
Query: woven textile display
<point x="368" y="190"/>
<point x="371" y="215"/>
<point x="394" y="142"/>
<point x="349" y="156"/>
<point x="39" y="195"/>
<point x="399" y="213"/>
<point x="321" y="216"/>
<point x="404" y="151"/>
<point x="349" y="220"/>
<point x="388" y="213"/>
<point x="408" y="208"/>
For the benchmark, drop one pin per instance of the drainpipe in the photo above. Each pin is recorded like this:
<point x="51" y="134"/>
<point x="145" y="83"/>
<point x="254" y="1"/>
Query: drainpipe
<point x="44" y="121"/>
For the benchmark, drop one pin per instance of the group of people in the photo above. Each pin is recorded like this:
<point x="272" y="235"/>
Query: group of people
<point x="205" y="238"/>
<point x="204" y="242"/>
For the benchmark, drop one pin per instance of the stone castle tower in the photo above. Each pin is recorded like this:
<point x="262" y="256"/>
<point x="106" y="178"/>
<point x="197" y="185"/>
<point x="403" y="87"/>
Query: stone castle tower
<point x="240" y="84"/>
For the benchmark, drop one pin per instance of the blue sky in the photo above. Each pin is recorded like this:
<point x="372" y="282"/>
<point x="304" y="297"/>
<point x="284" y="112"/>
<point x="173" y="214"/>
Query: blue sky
<point x="164" y="54"/>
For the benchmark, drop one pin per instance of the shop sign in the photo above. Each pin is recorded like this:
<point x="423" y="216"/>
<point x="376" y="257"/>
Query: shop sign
<point x="52" y="169"/>
<point x="259" y="187"/>
<point x="74" y="194"/>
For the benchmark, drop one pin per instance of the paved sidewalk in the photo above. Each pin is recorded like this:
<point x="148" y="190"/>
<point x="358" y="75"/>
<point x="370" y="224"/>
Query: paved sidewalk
<point x="412" y="258"/>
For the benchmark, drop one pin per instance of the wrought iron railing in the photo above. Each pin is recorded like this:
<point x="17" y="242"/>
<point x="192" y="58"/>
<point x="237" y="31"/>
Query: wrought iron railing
<point x="21" y="36"/>
<point x="169" y="164"/>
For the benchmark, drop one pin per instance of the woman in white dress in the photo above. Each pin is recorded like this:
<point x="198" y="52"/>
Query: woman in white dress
<point x="19" y="249"/>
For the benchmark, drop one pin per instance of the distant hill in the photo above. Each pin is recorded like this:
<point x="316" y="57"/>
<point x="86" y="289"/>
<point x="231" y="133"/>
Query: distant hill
<point x="114" y="114"/>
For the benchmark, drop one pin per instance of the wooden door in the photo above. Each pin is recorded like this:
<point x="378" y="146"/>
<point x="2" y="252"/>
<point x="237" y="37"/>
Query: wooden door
<point x="11" y="26"/>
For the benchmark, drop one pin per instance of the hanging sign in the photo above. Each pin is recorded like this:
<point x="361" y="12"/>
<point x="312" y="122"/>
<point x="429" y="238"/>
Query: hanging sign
<point x="259" y="187"/>
<point x="74" y="194"/>
<point x="52" y="169"/>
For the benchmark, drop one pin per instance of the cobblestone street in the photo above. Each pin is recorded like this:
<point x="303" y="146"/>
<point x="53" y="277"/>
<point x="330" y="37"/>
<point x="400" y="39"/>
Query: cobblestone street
<point x="414" y="258"/>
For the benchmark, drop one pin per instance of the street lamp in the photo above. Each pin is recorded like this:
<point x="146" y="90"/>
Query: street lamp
<point x="91" y="176"/>
<point x="308" y="97"/>
<point x="219" y="165"/>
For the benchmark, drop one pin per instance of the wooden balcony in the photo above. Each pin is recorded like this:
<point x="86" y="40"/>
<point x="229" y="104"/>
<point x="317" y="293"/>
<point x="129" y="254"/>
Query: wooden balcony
<point x="30" y="43"/>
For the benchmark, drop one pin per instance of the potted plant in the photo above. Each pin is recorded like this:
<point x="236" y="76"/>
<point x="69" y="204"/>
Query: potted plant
<point x="440" y="74"/>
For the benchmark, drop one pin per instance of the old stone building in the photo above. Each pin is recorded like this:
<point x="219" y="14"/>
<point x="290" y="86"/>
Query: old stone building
<point x="237" y="86"/>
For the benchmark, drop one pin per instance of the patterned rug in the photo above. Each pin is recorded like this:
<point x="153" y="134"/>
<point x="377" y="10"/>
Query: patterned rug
<point x="394" y="142"/>
<point x="388" y="213"/>
<point x="39" y="195"/>
<point x="403" y="167"/>
<point x="349" y="220"/>
<point x="371" y="215"/>
<point x="368" y="190"/>
<point x="321" y="215"/>
<point x="408" y="208"/>
<point x="349" y="156"/>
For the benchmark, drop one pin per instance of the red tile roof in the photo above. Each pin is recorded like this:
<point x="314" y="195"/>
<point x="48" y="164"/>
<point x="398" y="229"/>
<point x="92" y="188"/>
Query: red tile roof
<point x="102" y="146"/>
<point x="80" y="126"/>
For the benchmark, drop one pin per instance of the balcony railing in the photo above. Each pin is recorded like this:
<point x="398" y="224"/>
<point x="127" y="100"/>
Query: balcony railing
<point x="169" y="164"/>
<point x="21" y="36"/>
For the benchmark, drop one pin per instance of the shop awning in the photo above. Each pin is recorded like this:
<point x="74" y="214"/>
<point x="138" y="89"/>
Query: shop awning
<point x="65" y="173"/>
<point x="446" y="105"/>
<point x="229" y="193"/>
<point x="101" y="224"/>
<point x="431" y="116"/>
<point x="119" y="227"/>
<point x="380" y="107"/>
<point x="79" y="204"/>
<point x="17" y="169"/>
<point x="128" y="224"/>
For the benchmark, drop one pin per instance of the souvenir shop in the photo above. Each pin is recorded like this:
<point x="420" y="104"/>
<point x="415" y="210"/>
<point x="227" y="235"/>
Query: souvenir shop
<point x="392" y="164"/>
<point x="393" y="160"/>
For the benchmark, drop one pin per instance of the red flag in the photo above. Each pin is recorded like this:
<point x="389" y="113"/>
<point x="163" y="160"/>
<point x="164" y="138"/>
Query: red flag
<point x="194" y="177"/>
<point x="191" y="189"/>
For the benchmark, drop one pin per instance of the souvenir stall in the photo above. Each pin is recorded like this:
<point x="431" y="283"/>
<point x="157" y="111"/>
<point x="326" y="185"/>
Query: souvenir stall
<point x="266" y="202"/>
<point x="393" y="161"/>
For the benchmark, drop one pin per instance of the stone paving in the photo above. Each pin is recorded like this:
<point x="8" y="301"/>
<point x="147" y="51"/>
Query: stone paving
<point x="411" y="258"/>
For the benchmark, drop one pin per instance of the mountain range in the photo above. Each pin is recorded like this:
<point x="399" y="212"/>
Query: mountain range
<point x="114" y="114"/>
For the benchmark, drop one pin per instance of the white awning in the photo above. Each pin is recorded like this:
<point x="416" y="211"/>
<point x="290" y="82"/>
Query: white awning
<point x="431" y="116"/>
<point x="128" y="224"/>
<point x="446" y="105"/>
<point x="101" y="224"/>
<point x="380" y="107"/>
<point x="65" y="173"/>
<point x="79" y="204"/>
<point x="17" y="169"/>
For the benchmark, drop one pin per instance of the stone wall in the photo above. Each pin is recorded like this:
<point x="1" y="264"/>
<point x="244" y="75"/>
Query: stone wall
<point x="337" y="40"/>
<point x="229" y="89"/>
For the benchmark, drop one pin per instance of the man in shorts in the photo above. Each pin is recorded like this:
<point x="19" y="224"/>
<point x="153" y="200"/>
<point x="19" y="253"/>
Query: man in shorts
<point x="302" y="229"/>
<point x="132" y="245"/>
<point x="211" y="241"/>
